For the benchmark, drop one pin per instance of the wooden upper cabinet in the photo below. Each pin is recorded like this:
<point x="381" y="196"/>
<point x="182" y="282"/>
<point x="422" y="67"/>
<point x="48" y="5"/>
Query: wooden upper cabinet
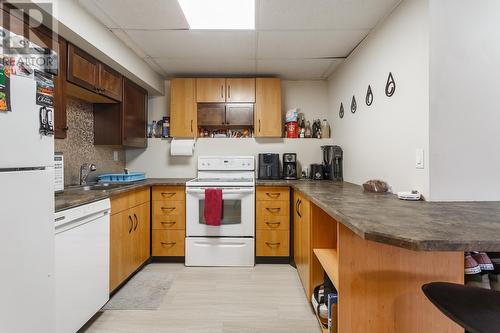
<point x="211" y="90"/>
<point x="83" y="69"/>
<point x="110" y="82"/>
<point x="183" y="122"/>
<point x="134" y="105"/>
<point x="267" y="113"/>
<point x="240" y="90"/>
<point x="125" y="123"/>
<point x="100" y="83"/>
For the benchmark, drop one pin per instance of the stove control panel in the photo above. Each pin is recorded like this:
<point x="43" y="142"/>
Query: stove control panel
<point x="229" y="163"/>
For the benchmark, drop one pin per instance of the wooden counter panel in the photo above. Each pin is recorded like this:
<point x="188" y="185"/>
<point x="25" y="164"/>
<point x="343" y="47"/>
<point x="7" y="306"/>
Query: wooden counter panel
<point x="380" y="287"/>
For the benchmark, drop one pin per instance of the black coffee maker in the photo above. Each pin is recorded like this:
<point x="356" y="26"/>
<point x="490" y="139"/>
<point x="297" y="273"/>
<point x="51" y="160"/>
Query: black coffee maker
<point x="269" y="166"/>
<point x="332" y="162"/>
<point x="289" y="166"/>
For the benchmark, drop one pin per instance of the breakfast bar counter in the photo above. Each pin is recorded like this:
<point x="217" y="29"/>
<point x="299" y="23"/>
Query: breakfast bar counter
<point x="414" y="225"/>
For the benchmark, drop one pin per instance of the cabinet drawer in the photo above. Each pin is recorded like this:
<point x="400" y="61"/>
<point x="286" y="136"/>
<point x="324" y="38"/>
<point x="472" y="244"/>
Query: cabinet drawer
<point x="168" y="243"/>
<point x="272" y="208"/>
<point x="138" y="197"/>
<point x="169" y="193"/>
<point x="274" y="243"/>
<point x="169" y="222"/>
<point x="273" y="193"/>
<point x="129" y="199"/>
<point x="165" y="209"/>
<point x="280" y="222"/>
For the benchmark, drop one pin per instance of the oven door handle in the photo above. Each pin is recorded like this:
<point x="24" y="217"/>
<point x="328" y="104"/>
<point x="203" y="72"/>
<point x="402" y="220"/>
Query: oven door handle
<point x="239" y="191"/>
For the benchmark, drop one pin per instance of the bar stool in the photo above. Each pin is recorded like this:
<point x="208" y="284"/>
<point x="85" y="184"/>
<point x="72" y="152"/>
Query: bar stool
<point x="475" y="309"/>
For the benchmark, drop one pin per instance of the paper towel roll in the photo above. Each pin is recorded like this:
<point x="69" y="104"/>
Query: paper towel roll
<point x="182" y="147"/>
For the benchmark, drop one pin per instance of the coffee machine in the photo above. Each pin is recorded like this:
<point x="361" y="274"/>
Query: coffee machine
<point x="289" y="166"/>
<point x="332" y="162"/>
<point x="269" y="166"/>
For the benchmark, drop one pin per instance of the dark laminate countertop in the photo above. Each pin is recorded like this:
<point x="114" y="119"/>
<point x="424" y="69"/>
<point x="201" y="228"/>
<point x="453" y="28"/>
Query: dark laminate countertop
<point x="426" y="226"/>
<point x="73" y="197"/>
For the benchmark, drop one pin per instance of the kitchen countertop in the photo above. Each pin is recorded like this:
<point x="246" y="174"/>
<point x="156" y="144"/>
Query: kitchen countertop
<point x="420" y="225"/>
<point x="75" y="196"/>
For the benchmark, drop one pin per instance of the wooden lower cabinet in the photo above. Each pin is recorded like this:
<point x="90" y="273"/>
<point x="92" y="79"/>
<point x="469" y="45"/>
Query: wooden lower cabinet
<point x="129" y="234"/>
<point x="169" y="221"/>
<point x="272" y="243"/>
<point x="272" y="222"/>
<point x="168" y="243"/>
<point x="379" y="285"/>
<point x="302" y="240"/>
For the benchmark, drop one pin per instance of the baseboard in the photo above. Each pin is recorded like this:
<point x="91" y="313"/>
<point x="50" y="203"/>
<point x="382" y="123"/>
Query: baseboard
<point x="272" y="260"/>
<point x="168" y="259"/>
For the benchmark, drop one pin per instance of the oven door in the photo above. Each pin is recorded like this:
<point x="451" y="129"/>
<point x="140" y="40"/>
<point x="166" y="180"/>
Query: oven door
<point x="238" y="213"/>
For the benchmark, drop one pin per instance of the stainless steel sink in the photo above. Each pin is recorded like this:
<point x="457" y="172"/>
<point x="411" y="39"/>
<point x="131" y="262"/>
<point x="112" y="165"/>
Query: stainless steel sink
<point x="101" y="187"/>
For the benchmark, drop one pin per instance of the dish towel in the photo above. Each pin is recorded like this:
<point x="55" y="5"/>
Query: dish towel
<point x="213" y="206"/>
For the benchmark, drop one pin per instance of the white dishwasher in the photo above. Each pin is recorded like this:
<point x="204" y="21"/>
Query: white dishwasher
<point x="81" y="264"/>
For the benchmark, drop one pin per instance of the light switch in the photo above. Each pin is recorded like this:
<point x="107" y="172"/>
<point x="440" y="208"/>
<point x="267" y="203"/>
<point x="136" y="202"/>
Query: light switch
<point x="419" y="159"/>
<point x="115" y="155"/>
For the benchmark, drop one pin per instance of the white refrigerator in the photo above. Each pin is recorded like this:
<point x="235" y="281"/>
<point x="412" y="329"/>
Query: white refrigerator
<point x="26" y="215"/>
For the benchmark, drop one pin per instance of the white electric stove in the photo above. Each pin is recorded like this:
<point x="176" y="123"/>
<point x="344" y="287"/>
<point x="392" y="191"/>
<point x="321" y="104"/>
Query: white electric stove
<point x="233" y="242"/>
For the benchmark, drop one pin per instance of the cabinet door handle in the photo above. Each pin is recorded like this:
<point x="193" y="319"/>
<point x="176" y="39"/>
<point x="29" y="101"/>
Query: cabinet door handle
<point x="298" y="208"/>
<point x="136" y="222"/>
<point x="65" y="128"/>
<point x="169" y="223"/>
<point x="221" y="91"/>
<point x="272" y="210"/>
<point x="273" y="243"/>
<point x="170" y="209"/>
<point x="272" y="224"/>
<point x="131" y="224"/>
<point x="259" y="125"/>
<point x="229" y="92"/>
<point x="168" y="243"/>
<point x="191" y="125"/>
<point x="168" y="194"/>
<point x="273" y="195"/>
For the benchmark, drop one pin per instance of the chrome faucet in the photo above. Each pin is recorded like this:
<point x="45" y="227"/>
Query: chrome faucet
<point x="85" y="170"/>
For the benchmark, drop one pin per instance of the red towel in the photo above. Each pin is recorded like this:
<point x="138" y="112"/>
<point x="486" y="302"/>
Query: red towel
<point x="213" y="206"/>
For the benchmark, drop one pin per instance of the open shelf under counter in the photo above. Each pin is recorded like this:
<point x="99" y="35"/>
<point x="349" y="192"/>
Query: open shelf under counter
<point x="329" y="261"/>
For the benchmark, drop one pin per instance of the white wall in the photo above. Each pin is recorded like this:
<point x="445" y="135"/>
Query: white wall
<point x="464" y="92"/>
<point x="380" y="141"/>
<point x="81" y="28"/>
<point x="310" y="97"/>
<point x="157" y="162"/>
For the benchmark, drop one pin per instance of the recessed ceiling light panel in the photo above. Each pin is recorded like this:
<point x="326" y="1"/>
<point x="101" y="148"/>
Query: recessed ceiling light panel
<point x="219" y="14"/>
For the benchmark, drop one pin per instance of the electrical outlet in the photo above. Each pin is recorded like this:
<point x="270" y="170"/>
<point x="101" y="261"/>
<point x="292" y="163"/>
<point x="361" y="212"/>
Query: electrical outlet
<point x="419" y="158"/>
<point x="115" y="155"/>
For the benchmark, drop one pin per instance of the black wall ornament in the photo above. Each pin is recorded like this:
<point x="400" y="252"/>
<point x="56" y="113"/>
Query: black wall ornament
<point x="390" y="86"/>
<point x="354" y="105"/>
<point x="341" y="111"/>
<point x="369" y="96"/>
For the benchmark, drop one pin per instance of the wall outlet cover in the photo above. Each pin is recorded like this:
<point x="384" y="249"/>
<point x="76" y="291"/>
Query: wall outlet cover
<point x="419" y="159"/>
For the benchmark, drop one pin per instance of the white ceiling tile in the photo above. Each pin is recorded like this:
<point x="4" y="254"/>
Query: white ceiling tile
<point x="204" y="66"/>
<point x="321" y="14"/>
<point x="293" y="69"/>
<point x="143" y="14"/>
<point x="196" y="43"/>
<point x="308" y="44"/>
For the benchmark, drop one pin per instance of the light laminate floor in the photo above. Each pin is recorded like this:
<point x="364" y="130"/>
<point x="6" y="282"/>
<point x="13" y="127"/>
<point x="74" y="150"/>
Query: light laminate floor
<point x="266" y="298"/>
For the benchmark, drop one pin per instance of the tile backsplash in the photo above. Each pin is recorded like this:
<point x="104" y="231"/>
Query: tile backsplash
<point x="78" y="147"/>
